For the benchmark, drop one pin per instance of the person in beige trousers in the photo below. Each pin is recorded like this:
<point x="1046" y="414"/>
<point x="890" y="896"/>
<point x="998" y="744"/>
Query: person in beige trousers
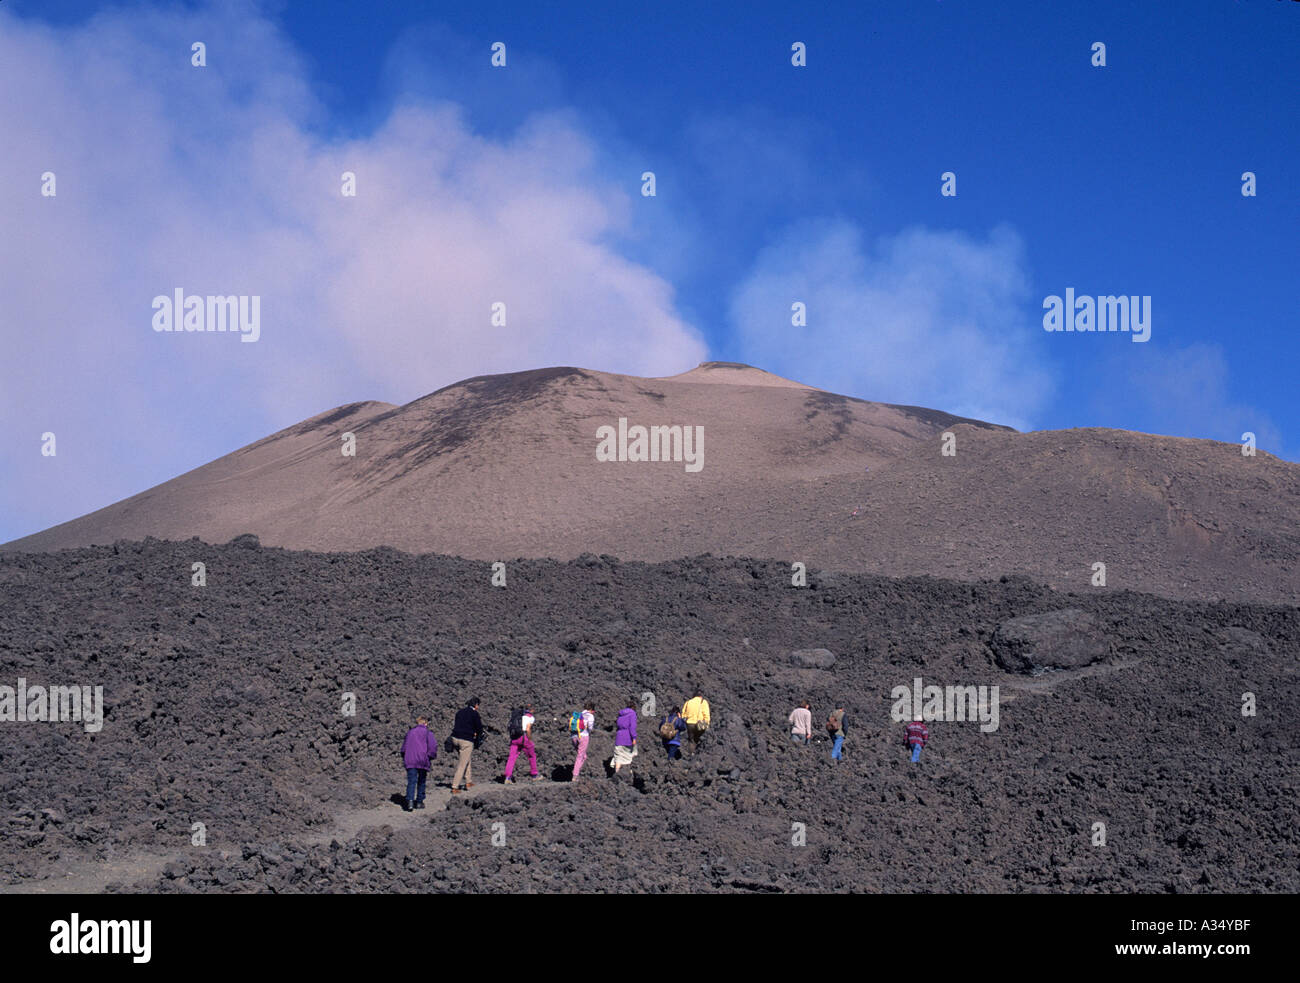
<point x="466" y="734"/>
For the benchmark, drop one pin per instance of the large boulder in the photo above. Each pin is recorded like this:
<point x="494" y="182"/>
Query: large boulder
<point x="1065" y="639"/>
<point x="812" y="659"/>
<point x="1237" y="642"/>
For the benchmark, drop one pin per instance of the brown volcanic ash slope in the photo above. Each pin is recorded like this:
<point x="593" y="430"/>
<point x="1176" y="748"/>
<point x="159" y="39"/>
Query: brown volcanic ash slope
<point x="503" y="466"/>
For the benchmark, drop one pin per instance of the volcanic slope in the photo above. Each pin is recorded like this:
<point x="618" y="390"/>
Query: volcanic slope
<point x="505" y="466"/>
<point x="226" y="705"/>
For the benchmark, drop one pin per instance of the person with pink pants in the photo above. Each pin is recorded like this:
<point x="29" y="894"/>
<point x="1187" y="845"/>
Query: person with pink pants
<point x="580" y="739"/>
<point x="524" y="742"/>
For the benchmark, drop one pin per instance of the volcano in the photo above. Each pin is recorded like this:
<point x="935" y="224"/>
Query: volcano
<point x="506" y="466"/>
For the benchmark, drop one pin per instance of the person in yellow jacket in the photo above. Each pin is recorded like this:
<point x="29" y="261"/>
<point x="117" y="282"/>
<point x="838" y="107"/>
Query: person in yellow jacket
<point x="695" y="712"/>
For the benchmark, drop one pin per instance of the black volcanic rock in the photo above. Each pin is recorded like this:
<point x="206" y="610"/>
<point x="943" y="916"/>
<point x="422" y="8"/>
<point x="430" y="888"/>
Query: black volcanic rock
<point x="812" y="659"/>
<point x="236" y="720"/>
<point x="1065" y="639"/>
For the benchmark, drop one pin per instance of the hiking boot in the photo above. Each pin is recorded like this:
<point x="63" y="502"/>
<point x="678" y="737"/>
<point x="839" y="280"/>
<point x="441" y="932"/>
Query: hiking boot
<point x="408" y="806"/>
<point x="455" y="791"/>
<point x="536" y="778"/>
<point x="507" y="781"/>
<point x="420" y="804"/>
<point x="468" y="786"/>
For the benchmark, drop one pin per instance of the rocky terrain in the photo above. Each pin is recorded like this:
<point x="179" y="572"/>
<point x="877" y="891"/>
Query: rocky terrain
<point x="224" y="707"/>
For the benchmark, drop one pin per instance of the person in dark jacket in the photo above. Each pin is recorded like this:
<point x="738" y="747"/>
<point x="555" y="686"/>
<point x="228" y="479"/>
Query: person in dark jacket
<point x="917" y="735"/>
<point x="673" y="745"/>
<point x="419" y="748"/>
<point x="466" y="735"/>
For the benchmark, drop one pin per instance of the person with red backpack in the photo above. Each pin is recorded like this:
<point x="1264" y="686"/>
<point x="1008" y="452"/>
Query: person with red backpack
<point x="917" y="735"/>
<point x="581" y="723"/>
<point x="521" y="739"/>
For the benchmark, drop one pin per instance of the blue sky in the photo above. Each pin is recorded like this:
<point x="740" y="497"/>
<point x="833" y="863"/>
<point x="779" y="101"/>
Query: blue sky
<point x="775" y="184"/>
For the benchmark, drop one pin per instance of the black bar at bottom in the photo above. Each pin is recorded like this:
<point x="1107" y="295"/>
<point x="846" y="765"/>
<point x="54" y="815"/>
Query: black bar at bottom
<point x="909" y="932"/>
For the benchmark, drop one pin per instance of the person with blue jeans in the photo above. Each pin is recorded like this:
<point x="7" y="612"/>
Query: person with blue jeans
<point x="837" y="725"/>
<point x="419" y="748"/>
<point x="917" y="735"/>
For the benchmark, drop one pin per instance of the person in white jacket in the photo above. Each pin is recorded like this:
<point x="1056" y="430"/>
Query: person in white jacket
<point x="585" y="723"/>
<point x="801" y="720"/>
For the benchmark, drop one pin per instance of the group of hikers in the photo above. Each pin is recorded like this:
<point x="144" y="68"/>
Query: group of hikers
<point x="836" y="728"/>
<point x="691" y="722"/>
<point x="420" y="748"/>
<point x="915" y="735"/>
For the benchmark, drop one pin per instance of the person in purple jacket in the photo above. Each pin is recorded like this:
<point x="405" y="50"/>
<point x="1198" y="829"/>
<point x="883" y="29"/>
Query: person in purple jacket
<point x="419" y="748"/>
<point x="624" y="737"/>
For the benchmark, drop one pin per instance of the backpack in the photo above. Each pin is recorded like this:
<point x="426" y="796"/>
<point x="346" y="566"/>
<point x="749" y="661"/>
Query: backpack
<point x="516" y="724"/>
<point x="668" y="730"/>
<point x="577" y="723"/>
<point x="832" y="725"/>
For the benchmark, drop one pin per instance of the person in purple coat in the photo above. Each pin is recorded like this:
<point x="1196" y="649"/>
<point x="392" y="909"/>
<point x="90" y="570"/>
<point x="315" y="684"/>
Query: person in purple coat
<point x="419" y="748"/>
<point x="624" y="737"/>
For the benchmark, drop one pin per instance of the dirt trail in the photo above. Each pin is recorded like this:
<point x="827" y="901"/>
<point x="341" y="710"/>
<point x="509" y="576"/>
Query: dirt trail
<point x="94" y="877"/>
<point x="350" y="822"/>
